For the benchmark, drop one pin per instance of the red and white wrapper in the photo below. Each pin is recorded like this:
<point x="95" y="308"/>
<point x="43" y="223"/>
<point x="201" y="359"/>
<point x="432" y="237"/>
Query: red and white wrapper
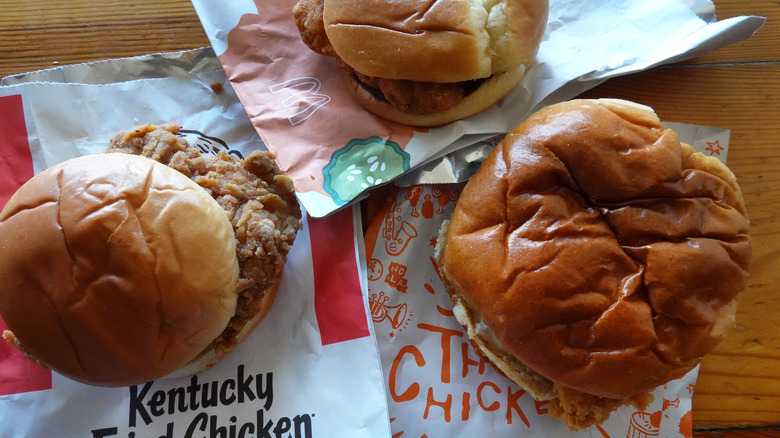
<point x="310" y="369"/>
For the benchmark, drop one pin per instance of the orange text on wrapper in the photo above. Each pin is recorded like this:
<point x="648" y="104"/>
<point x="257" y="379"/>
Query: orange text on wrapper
<point x="487" y="396"/>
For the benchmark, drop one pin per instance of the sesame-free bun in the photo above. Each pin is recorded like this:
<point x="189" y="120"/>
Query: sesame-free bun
<point x="115" y="269"/>
<point x="426" y="63"/>
<point x="594" y="257"/>
<point x="439" y="41"/>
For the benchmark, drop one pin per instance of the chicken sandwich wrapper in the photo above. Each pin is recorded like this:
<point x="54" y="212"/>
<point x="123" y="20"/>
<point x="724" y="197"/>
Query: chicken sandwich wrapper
<point x="437" y="385"/>
<point x="296" y="375"/>
<point x="335" y="151"/>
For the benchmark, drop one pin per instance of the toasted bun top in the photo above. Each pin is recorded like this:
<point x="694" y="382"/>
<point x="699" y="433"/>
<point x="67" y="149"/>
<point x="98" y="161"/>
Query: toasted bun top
<point x="115" y="269"/>
<point x="437" y="41"/>
<point x="602" y="252"/>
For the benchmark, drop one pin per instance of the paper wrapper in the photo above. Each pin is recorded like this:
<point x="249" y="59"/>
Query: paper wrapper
<point x="436" y="384"/>
<point x="310" y="369"/>
<point x="335" y="151"/>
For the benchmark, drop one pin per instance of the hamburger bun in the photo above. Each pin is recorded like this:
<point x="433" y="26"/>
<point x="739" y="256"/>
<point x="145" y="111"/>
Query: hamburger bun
<point x="443" y="41"/>
<point x="594" y="256"/>
<point x="481" y="51"/>
<point x="116" y="270"/>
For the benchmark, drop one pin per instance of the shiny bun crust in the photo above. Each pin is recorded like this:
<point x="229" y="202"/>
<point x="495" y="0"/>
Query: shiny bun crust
<point x="116" y="270"/>
<point x="488" y="93"/>
<point x="594" y="252"/>
<point x="440" y="41"/>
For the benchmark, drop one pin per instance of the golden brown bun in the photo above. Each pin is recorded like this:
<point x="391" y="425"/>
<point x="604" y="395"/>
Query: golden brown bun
<point x="425" y="64"/>
<point x="597" y="251"/>
<point x="260" y="203"/>
<point x="440" y="41"/>
<point x="488" y="93"/>
<point x="116" y="270"/>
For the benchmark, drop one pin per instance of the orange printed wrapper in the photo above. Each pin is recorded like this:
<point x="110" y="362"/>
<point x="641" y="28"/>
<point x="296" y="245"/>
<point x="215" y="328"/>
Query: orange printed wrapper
<point x="436" y="384"/>
<point x="336" y="152"/>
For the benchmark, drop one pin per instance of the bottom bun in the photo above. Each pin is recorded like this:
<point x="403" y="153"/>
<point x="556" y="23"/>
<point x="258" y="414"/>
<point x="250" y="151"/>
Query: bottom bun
<point x="487" y="94"/>
<point x="211" y="355"/>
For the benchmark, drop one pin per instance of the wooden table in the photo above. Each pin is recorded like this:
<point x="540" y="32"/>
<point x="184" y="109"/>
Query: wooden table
<point x="737" y="87"/>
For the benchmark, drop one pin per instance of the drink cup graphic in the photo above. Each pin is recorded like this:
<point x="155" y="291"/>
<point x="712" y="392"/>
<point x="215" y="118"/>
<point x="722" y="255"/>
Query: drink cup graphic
<point x="644" y="425"/>
<point x="413" y="196"/>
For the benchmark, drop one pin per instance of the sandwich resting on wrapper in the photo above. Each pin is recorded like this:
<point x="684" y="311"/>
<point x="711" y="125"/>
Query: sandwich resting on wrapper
<point x="149" y="260"/>
<point x="594" y="257"/>
<point x="425" y="63"/>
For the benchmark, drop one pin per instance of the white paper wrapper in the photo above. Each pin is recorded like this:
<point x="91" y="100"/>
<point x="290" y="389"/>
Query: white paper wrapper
<point x="310" y="369"/>
<point x="437" y="385"/>
<point x="294" y="96"/>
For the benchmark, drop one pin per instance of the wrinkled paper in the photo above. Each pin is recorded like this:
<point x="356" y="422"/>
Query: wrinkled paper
<point x="300" y="371"/>
<point x="336" y="152"/>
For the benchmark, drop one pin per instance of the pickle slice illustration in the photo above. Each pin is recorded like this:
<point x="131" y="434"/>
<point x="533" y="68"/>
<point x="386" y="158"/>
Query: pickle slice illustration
<point x="362" y="164"/>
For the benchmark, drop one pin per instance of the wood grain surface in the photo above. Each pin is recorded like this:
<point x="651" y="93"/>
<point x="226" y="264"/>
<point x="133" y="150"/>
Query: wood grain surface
<point x="46" y="33"/>
<point x="737" y="88"/>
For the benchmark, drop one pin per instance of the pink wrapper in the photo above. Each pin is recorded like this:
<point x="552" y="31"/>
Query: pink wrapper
<point x="301" y="110"/>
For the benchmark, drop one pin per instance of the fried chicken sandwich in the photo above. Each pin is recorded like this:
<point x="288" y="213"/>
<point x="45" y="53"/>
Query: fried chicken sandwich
<point x="425" y="63"/>
<point x="595" y="257"/>
<point x="121" y="268"/>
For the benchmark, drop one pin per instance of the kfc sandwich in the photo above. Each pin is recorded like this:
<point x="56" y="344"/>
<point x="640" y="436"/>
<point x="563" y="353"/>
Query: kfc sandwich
<point x="595" y="257"/>
<point x="117" y="269"/>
